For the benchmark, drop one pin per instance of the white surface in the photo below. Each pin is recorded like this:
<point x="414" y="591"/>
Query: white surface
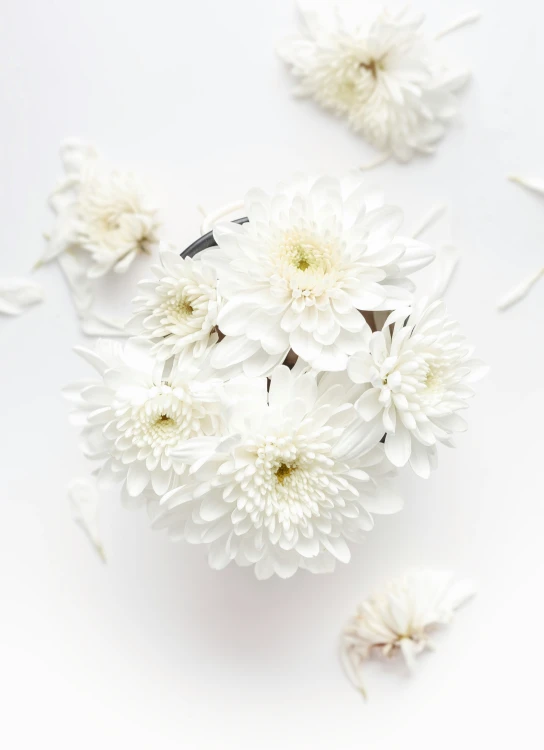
<point x="154" y="649"/>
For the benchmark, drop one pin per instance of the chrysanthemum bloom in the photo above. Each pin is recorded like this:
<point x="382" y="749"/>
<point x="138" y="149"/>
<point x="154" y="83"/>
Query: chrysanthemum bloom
<point x="136" y="414"/>
<point x="416" y="379"/>
<point x="382" y="74"/>
<point x="400" y="618"/>
<point x="295" y="478"/>
<point x="314" y="254"/>
<point x="105" y="214"/>
<point x="177" y="310"/>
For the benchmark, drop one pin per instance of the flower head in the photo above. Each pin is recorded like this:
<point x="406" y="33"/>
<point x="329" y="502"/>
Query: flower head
<point x="105" y="214"/>
<point x="314" y="254"/>
<point x="294" y="478"/>
<point x="137" y="414"/>
<point x="417" y="378"/>
<point x="382" y="74"/>
<point x="177" y="310"/>
<point x="399" y="619"/>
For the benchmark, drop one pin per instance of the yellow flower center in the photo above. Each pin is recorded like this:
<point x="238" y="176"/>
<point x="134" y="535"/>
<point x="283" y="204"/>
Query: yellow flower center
<point x="283" y="471"/>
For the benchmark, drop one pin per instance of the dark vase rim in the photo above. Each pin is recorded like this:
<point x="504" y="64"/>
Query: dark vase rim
<point x="206" y="241"/>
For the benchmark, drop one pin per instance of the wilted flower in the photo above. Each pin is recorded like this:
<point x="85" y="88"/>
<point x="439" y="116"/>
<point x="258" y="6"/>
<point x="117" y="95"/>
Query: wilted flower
<point x="104" y="214"/>
<point x="381" y="73"/>
<point x="416" y="377"/>
<point x="294" y="479"/>
<point x="400" y="619"/>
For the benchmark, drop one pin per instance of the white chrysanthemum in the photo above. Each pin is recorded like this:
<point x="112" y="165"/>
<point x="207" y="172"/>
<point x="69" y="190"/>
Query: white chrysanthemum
<point x="400" y="618"/>
<point x="137" y="414"/>
<point x="293" y="480"/>
<point x="105" y="214"/>
<point x="382" y="74"/>
<point x="177" y="310"/>
<point x="314" y="254"/>
<point x="417" y="378"/>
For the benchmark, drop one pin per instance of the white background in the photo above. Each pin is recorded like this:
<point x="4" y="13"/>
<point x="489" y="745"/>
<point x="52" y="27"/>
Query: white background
<point x="154" y="650"/>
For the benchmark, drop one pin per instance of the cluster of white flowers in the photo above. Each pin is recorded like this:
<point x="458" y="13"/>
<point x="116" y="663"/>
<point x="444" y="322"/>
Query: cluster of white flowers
<point x="257" y="410"/>
<point x="381" y="73"/>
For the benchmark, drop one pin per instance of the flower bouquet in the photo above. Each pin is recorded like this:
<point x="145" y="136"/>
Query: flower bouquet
<point x="275" y="381"/>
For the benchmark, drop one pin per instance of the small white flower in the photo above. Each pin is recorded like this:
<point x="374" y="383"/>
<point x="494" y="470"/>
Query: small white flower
<point x="400" y="618"/>
<point x="16" y="294"/>
<point x="314" y="254"/>
<point x="104" y="214"/>
<point x="136" y="414"/>
<point x="177" y="310"/>
<point x="296" y="476"/>
<point x="417" y="379"/>
<point x="381" y="73"/>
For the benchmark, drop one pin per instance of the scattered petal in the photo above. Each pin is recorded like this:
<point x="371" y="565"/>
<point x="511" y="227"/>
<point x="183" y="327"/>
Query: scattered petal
<point x="84" y="500"/>
<point x="16" y="294"/>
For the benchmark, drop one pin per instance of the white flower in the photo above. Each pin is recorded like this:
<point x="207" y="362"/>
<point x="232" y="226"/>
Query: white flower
<point x="102" y="213"/>
<point x="381" y="73"/>
<point x="417" y="379"/>
<point x="314" y="254"/>
<point x="295" y="478"/>
<point x="400" y="618"/>
<point x="136" y="414"/>
<point x="178" y="309"/>
<point x="17" y="293"/>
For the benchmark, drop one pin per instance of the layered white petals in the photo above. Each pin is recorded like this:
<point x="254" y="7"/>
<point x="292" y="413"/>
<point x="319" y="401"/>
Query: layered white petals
<point x="137" y="413"/>
<point x="382" y="74"/>
<point x="399" y="619"/>
<point x="416" y="379"/>
<point x="314" y="254"/>
<point x="103" y="214"/>
<point x="291" y="482"/>
<point x="177" y="309"/>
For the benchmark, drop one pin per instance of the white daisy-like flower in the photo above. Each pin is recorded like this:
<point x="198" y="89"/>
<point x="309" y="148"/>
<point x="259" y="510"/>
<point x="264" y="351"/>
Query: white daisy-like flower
<point x="137" y="413"/>
<point x="294" y="479"/>
<point x="381" y="73"/>
<point x="16" y="294"/>
<point x="177" y="310"/>
<point x="401" y="619"/>
<point x="104" y="214"/>
<point x="416" y="379"/>
<point x="313" y="255"/>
